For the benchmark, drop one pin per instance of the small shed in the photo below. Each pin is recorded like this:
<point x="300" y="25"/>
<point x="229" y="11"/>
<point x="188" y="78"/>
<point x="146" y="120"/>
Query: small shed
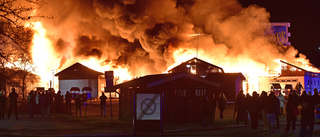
<point x="80" y="76"/>
<point x="182" y="93"/>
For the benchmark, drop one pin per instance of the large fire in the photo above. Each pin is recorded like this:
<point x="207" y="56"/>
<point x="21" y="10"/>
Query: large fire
<point x="107" y="35"/>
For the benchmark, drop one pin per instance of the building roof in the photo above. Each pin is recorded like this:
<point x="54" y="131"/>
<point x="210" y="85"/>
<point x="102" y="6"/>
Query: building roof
<point x="293" y="65"/>
<point x="197" y="62"/>
<point x="150" y="81"/>
<point x="78" y="71"/>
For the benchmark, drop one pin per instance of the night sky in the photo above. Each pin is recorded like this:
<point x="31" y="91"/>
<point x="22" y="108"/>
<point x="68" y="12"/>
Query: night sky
<point x="304" y="18"/>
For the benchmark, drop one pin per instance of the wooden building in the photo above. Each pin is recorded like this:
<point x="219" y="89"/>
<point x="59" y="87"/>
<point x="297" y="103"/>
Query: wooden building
<point x="291" y="75"/>
<point x="80" y="76"/>
<point x="182" y="94"/>
<point x="198" y="67"/>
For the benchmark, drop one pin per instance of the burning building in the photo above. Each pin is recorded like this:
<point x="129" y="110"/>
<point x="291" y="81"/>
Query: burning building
<point x="135" y="38"/>
<point x="183" y="88"/>
<point x="293" y="77"/>
<point x="78" y="77"/>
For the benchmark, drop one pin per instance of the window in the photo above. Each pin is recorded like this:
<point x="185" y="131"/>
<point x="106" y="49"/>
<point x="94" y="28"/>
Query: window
<point x="288" y="80"/>
<point x="283" y="80"/>
<point x="200" y="92"/>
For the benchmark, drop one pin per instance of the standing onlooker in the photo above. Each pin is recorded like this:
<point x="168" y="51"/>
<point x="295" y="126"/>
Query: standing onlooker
<point x="222" y="101"/>
<point x="263" y="106"/>
<point x="315" y="98"/>
<point x="272" y="109"/>
<point x="58" y="101"/>
<point x="37" y="107"/>
<point x="281" y="101"/>
<point x="50" y="96"/>
<point x="213" y="106"/>
<point x="68" y="98"/>
<point x="44" y="104"/>
<point x="13" y="96"/>
<point x="78" y="105"/>
<point x="3" y="100"/>
<point x="292" y="108"/>
<point x="307" y="118"/>
<point x="103" y="104"/>
<point x="205" y="110"/>
<point x="303" y="96"/>
<point x="254" y="110"/>
<point x="242" y="114"/>
<point x="31" y="103"/>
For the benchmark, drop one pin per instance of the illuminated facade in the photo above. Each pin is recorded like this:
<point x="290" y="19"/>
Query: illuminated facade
<point x="78" y="75"/>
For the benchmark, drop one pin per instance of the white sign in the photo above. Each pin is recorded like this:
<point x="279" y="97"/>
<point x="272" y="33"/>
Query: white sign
<point x="148" y="106"/>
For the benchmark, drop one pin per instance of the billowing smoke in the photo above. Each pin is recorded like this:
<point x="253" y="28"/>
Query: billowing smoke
<point x="143" y="34"/>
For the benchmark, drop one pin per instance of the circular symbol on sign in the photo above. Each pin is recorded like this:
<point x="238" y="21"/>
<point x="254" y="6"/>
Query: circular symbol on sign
<point x="148" y="106"/>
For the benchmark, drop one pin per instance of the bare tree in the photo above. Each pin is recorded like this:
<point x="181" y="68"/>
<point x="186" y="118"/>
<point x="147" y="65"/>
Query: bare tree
<point x="15" y="42"/>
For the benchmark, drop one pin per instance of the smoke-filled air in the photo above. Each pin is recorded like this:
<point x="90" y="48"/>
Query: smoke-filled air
<point x="141" y="37"/>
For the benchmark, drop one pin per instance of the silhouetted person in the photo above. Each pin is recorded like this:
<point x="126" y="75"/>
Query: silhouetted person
<point x="205" y="110"/>
<point x="248" y="104"/>
<point x="44" y="104"/>
<point x="68" y="98"/>
<point x="263" y="107"/>
<point x="78" y="105"/>
<point x="222" y="101"/>
<point x="254" y="110"/>
<point x="31" y="104"/>
<point x="307" y="118"/>
<point x="242" y="114"/>
<point x="272" y="109"/>
<point x="281" y="101"/>
<point x="298" y="88"/>
<point x="213" y="105"/>
<point x="315" y="98"/>
<point x="13" y="96"/>
<point x="303" y="96"/>
<point x="51" y="97"/>
<point x="103" y="104"/>
<point x="3" y="100"/>
<point x="291" y="107"/>
<point x="37" y="108"/>
<point x="58" y="100"/>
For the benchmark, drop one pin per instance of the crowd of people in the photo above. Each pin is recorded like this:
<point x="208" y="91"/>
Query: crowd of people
<point x="45" y="102"/>
<point x="268" y="107"/>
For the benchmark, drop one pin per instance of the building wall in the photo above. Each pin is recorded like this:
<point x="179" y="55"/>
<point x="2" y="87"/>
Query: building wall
<point x="65" y="85"/>
<point x="311" y="83"/>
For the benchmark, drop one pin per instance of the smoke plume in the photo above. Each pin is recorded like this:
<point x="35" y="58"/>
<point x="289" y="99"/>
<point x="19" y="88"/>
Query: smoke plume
<point x="144" y="34"/>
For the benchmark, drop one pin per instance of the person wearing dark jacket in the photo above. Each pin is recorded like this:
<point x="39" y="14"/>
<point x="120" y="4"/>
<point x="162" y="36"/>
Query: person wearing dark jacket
<point x="78" y="105"/>
<point x="263" y="108"/>
<point x="103" y="104"/>
<point x="58" y="100"/>
<point x="44" y="104"/>
<point x="13" y="96"/>
<point x="241" y="109"/>
<point x="205" y="110"/>
<point x="307" y="117"/>
<point x="31" y="104"/>
<point x="222" y="101"/>
<point x="291" y="107"/>
<point x="3" y="100"/>
<point x="68" y="98"/>
<point x="254" y="110"/>
<point x="213" y="105"/>
<point x="272" y="109"/>
<point x="315" y="98"/>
